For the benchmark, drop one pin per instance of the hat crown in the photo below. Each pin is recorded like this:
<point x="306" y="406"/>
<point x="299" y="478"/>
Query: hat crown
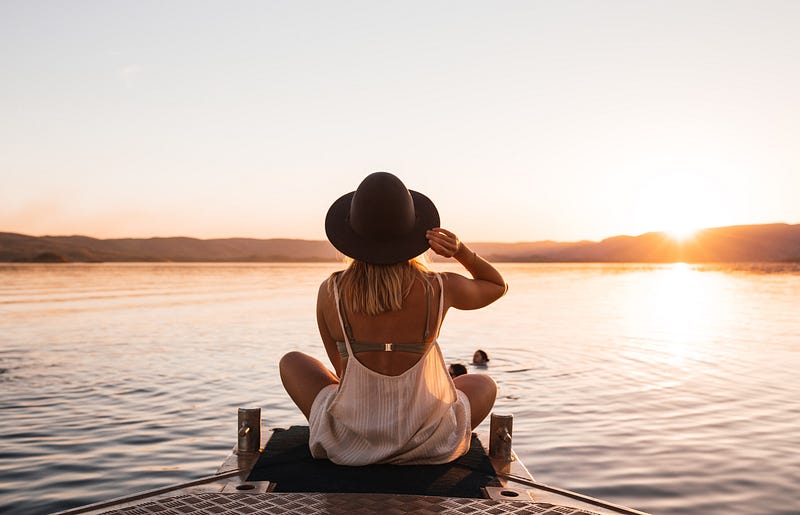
<point x="382" y="208"/>
<point x="382" y="222"/>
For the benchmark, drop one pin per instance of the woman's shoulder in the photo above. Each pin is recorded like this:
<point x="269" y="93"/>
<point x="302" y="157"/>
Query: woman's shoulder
<point x="454" y="284"/>
<point x="433" y="276"/>
<point x="451" y="276"/>
<point x="329" y="282"/>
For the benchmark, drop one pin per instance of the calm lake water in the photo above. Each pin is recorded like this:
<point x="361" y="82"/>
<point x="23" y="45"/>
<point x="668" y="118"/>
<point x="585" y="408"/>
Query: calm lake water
<point x="671" y="389"/>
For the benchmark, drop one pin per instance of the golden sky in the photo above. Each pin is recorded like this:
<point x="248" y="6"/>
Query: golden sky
<point x="522" y="121"/>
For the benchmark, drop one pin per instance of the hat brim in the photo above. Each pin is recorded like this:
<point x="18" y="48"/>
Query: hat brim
<point x="381" y="252"/>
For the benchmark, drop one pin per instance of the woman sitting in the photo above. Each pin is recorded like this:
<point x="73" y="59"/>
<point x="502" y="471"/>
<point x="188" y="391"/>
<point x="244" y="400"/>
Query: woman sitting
<point x="390" y="398"/>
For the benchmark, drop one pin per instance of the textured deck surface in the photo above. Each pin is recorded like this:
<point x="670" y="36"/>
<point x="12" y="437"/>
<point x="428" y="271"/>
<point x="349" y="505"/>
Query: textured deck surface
<point x="310" y="503"/>
<point x="241" y="488"/>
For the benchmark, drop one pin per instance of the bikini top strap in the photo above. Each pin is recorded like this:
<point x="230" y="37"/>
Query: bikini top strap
<point x="346" y="330"/>
<point x="427" y="331"/>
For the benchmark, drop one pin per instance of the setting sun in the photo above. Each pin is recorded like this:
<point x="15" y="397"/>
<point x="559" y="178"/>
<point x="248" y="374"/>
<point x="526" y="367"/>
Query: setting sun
<point x="682" y="232"/>
<point x="679" y="204"/>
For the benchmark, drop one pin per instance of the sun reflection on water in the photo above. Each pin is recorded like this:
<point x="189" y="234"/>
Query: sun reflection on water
<point x="674" y="315"/>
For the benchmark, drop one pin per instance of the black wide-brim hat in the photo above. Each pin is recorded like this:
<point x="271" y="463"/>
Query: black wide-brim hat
<point x="382" y="222"/>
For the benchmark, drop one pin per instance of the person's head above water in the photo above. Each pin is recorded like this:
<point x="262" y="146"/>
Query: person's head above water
<point x="382" y="222"/>
<point x="456" y="369"/>
<point x="480" y="357"/>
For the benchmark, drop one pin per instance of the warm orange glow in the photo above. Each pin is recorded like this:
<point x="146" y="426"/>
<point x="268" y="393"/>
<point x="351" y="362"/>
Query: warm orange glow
<point x="680" y="205"/>
<point x="683" y="233"/>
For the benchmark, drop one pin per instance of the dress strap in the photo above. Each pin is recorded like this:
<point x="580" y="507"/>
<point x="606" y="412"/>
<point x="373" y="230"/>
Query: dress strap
<point x="441" y="304"/>
<point x="427" y="331"/>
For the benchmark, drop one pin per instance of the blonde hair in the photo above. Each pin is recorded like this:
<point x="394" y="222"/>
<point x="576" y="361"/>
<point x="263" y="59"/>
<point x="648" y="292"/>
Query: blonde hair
<point x="375" y="289"/>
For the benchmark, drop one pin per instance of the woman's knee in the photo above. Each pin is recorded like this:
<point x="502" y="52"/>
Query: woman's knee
<point x="477" y="382"/>
<point x="291" y="360"/>
<point x="488" y="387"/>
<point x="481" y="390"/>
<point x="303" y="377"/>
<point x="303" y="370"/>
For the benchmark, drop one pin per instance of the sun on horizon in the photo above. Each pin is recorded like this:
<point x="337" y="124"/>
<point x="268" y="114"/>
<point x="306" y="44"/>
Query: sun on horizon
<point x="682" y="232"/>
<point x="680" y="204"/>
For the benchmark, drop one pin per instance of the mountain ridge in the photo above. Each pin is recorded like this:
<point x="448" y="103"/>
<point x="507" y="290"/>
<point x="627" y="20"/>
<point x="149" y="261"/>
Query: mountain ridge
<point x="777" y="242"/>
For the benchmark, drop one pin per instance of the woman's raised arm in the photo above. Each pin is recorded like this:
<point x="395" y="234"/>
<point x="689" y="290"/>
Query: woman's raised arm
<point x="486" y="285"/>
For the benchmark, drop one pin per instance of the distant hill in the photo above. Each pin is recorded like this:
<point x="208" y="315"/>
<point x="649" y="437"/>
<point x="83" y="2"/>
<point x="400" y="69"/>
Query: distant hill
<point x="743" y="243"/>
<point x="22" y="248"/>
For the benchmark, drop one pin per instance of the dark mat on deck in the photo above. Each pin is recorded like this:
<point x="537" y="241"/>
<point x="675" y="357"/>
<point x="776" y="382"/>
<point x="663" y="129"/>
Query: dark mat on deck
<point x="287" y="461"/>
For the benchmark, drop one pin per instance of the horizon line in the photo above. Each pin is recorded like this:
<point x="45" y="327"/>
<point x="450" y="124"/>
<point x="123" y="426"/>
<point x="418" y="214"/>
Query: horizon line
<point x="324" y="239"/>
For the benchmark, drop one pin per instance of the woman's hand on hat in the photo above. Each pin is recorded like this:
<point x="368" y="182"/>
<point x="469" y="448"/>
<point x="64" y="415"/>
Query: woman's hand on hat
<point x="443" y="242"/>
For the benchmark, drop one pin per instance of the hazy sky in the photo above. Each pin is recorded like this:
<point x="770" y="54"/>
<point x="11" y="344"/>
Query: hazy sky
<point x="523" y="121"/>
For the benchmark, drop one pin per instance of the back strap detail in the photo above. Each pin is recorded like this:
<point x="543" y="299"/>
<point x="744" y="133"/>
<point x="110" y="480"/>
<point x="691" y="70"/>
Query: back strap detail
<point x="416" y="348"/>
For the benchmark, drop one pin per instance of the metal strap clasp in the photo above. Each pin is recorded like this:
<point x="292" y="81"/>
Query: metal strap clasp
<point x="388" y="347"/>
